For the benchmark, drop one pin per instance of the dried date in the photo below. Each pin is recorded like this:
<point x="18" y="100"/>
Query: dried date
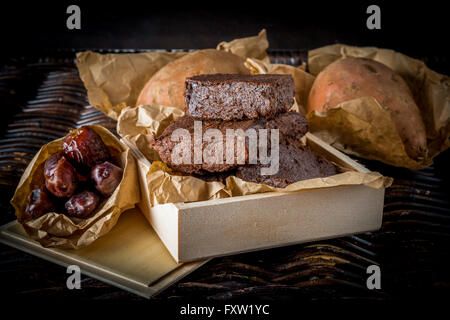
<point x="82" y="204"/>
<point x="85" y="147"/>
<point x="39" y="202"/>
<point x="61" y="178"/>
<point x="106" y="177"/>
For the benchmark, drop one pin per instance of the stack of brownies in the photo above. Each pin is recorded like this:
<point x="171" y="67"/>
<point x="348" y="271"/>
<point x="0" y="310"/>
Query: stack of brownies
<point x="228" y="101"/>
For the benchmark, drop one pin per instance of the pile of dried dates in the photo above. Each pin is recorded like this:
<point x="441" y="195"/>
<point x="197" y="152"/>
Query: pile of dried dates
<point x="76" y="179"/>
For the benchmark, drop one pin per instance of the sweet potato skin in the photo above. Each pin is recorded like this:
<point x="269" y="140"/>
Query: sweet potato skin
<point x="166" y="87"/>
<point x="352" y="78"/>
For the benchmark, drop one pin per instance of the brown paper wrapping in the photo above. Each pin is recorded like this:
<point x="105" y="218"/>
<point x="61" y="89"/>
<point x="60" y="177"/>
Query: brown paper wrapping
<point x="361" y="127"/>
<point x="166" y="186"/>
<point x="114" y="81"/>
<point x="251" y="47"/>
<point x="58" y="230"/>
<point x="141" y="124"/>
<point x="374" y="180"/>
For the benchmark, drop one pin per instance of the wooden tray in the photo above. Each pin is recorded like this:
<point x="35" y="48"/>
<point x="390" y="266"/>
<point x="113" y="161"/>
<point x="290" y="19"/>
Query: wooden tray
<point x="130" y="256"/>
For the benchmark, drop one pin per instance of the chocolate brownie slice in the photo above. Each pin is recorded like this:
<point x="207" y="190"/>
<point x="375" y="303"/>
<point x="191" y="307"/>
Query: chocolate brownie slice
<point x="296" y="163"/>
<point x="237" y="97"/>
<point x="290" y="125"/>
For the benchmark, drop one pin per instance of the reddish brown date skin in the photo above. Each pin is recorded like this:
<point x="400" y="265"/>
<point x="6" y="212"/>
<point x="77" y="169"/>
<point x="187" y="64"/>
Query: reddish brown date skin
<point x="38" y="203"/>
<point x="61" y="178"/>
<point x="82" y="204"/>
<point x="106" y="177"/>
<point x="85" y="147"/>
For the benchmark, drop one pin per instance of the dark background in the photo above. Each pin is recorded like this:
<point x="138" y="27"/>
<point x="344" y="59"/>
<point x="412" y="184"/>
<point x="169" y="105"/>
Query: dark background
<point x="419" y="29"/>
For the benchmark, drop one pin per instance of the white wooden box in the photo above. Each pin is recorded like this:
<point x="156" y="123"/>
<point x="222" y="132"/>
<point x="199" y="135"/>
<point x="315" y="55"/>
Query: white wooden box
<point x="205" y="229"/>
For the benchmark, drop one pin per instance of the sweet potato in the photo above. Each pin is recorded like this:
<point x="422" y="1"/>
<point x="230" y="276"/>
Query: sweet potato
<point x="166" y="87"/>
<point x="352" y="78"/>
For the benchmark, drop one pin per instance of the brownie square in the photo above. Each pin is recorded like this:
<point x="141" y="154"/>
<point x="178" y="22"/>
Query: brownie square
<point x="237" y="97"/>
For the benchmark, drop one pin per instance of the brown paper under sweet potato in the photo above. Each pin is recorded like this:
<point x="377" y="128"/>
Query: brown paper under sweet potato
<point x="114" y="81"/>
<point x="361" y="127"/>
<point x="251" y="47"/>
<point x="167" y="186"/>
<point x="58" y="230"/>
